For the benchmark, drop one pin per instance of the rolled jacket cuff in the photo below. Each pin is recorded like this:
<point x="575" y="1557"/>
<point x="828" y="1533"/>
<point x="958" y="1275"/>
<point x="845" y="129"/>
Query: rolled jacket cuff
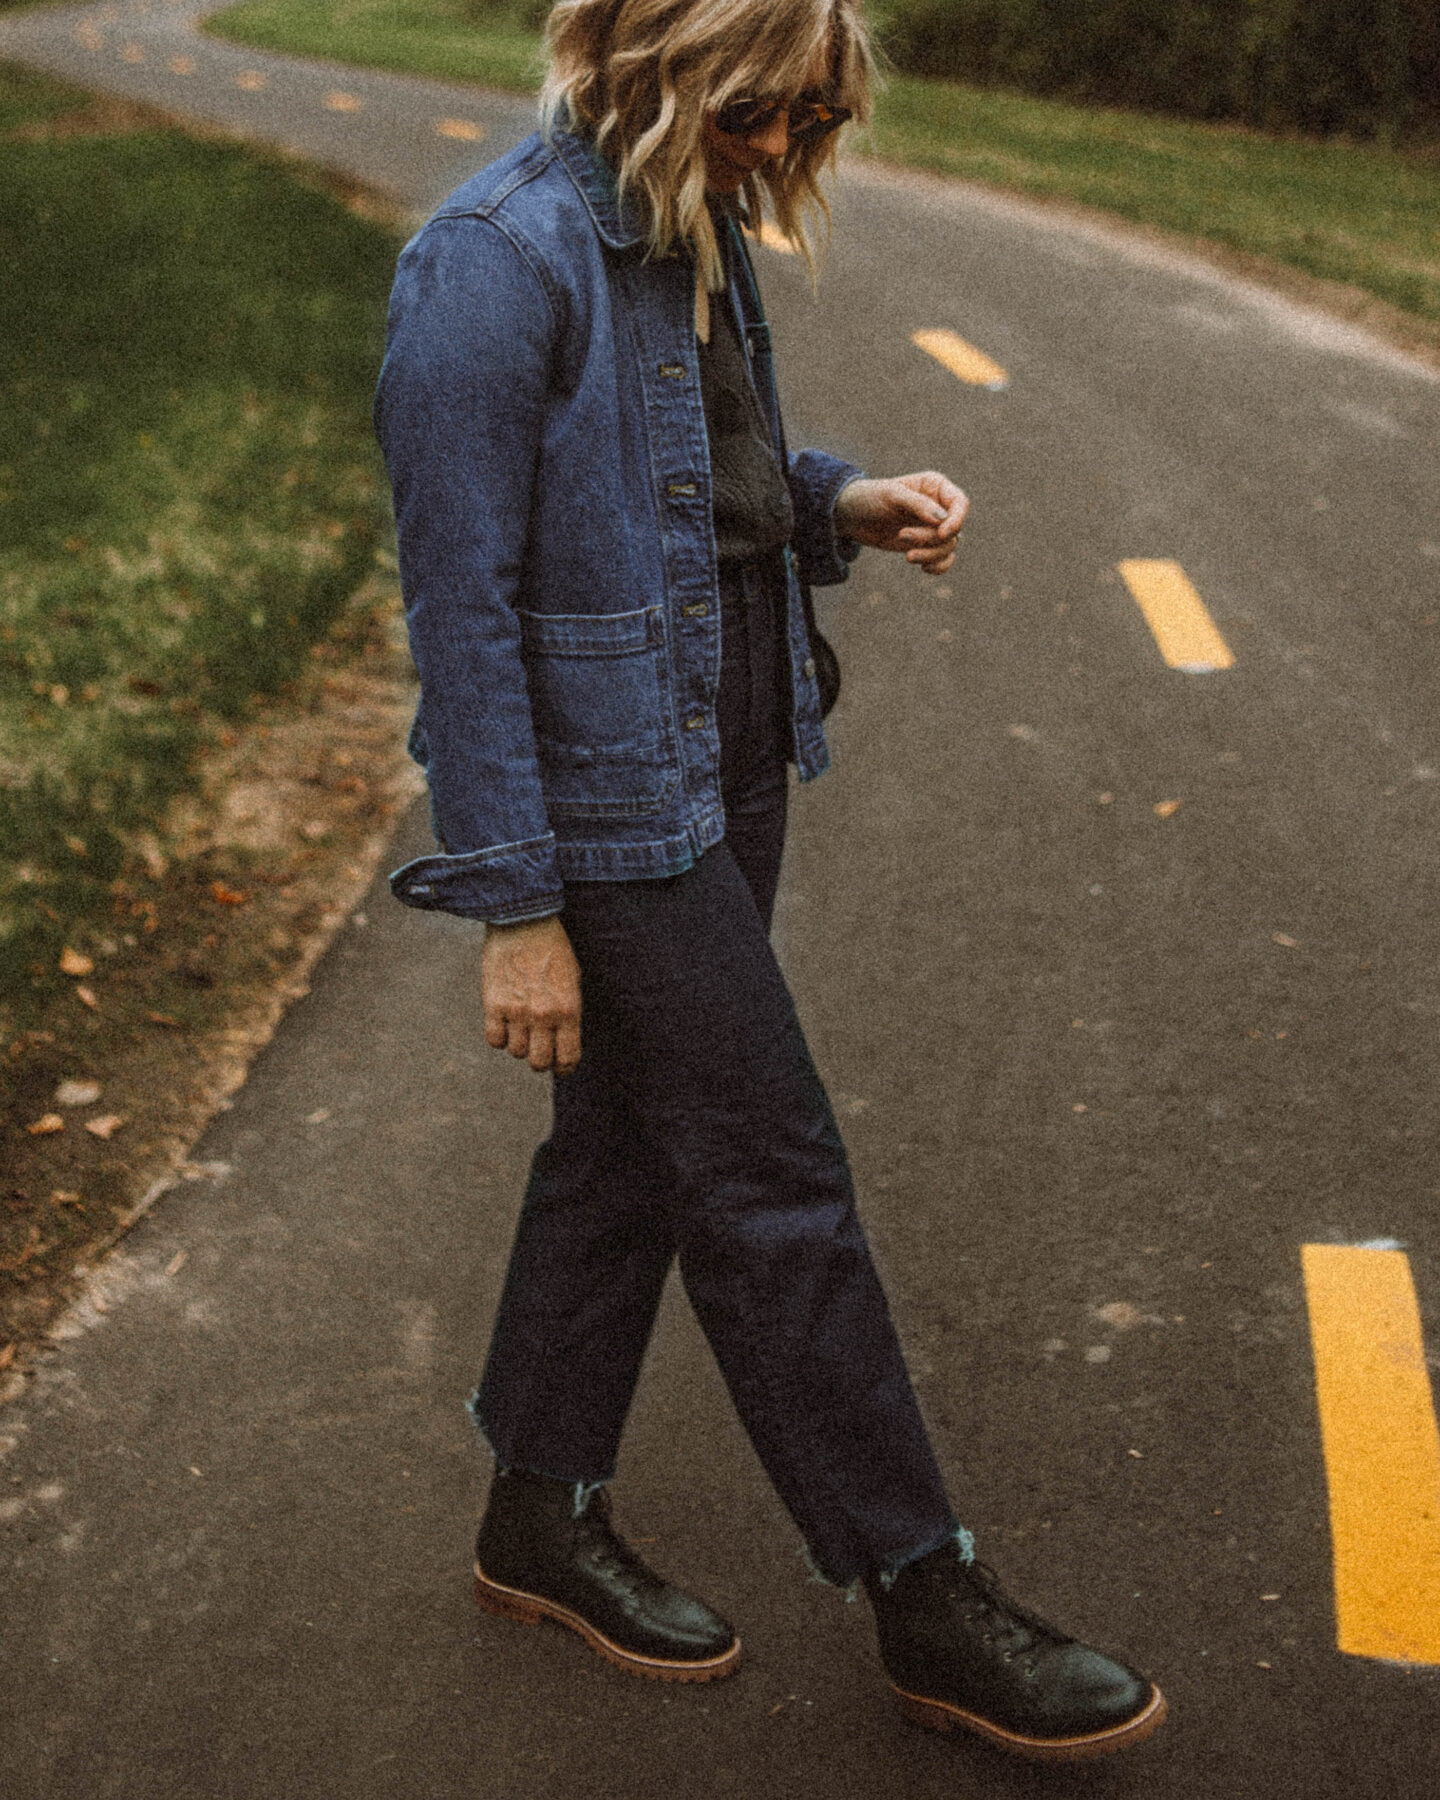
<point x="504" y="885"/>
<point x="824" y="554"/>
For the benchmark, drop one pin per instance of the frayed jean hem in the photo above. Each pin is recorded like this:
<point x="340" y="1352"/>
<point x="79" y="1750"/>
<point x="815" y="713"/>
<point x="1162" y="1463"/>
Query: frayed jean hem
<point x="963" y="1539"/>
<point x="584" y="1487"/>
<point x="886" y="1573"/>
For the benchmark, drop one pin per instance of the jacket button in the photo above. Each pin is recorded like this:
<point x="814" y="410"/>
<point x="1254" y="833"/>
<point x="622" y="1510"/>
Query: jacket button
<point x="810" y="667"/>
<point x="696" y="722"/>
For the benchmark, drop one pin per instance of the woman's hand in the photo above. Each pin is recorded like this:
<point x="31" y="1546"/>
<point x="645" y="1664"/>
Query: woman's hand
<point x="919" y="514"/>
<point x="530" y="981"/>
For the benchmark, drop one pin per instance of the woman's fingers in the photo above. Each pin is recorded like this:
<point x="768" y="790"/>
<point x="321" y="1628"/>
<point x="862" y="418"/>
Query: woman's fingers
<point x="567" y="1048"/>
<point x="944" y="508"/>
<point x="531" y="984"/>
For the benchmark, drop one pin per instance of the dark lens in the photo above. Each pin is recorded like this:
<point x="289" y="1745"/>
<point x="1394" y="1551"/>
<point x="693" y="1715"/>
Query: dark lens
<point x="814" y="119"/>
<point x="741" y="117"/>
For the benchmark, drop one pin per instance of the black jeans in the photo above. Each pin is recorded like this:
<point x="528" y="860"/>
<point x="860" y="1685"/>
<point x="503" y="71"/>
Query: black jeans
<point x="696" y="1126"/>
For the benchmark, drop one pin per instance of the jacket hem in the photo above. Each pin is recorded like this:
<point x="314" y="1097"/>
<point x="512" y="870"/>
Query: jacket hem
<point x="651" y="861"/>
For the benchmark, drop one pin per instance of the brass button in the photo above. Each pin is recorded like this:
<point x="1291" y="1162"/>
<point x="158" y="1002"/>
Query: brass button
<point x="696" y="610"/>
<point x="682" y="490"/>
<point x="673" y="371"/>
<point x="696" y="722"/>
<point x="810" y="667"/>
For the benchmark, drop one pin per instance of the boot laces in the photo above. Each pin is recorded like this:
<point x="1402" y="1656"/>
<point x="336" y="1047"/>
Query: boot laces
<point x="1012" y="1628"/>
<point x="612" y="1556"/>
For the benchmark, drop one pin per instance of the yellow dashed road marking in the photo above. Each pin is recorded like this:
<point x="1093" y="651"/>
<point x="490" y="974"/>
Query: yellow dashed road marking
<point x="1187" y="635"/>
<point x="1382" y="1451"/>
<point x="465" y="129"/>
<point x="961" y="359"/>
<point x="337" y="100"/>
<point x="251" y="80"/>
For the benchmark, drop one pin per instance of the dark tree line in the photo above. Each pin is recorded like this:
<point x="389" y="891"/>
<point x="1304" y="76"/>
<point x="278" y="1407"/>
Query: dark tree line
<point x="1366" y="68"/>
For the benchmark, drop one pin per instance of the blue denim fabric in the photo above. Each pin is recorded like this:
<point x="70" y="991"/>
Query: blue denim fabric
<point x="540" y="413"/>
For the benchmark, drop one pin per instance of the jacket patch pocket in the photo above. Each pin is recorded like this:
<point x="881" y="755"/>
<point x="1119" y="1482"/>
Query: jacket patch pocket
<point x="597" y="700"/>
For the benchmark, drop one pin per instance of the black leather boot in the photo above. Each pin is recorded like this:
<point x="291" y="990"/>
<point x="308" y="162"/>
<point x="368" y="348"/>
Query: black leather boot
<point x="958" y="1652"/>
<point x="538" y="1557"/>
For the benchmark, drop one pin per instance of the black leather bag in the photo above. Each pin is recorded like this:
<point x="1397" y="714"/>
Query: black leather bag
<point x="822" y="654"/>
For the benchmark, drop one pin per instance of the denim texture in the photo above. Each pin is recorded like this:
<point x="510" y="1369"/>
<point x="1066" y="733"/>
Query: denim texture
<point x="696" y="1126"/>
<point x="540" y="413"/>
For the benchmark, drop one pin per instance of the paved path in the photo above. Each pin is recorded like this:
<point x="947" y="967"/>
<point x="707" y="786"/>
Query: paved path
<point x="1104" y="1069"/>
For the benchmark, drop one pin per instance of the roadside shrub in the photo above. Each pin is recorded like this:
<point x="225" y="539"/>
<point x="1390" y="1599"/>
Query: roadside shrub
<point x="1366" y="68"/>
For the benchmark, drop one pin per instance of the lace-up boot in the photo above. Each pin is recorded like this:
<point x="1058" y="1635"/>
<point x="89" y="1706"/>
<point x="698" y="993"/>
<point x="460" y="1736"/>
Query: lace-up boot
<point x="958" y="1652"/>
<point x="547" y="1550"/>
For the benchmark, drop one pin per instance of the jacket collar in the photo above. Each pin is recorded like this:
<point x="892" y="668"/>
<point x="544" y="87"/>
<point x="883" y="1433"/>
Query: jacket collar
<point x="618" y="221"/>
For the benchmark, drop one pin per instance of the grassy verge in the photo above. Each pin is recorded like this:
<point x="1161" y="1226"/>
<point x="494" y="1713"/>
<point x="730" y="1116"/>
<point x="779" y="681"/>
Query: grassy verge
<point x="192" y="518"/>
<point x="188" y="489"/>
<point x="1360" y="216"/>
<point x="495" y="43"/>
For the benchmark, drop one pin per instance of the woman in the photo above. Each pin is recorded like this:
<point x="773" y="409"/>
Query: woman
<point x="603" y="545"/>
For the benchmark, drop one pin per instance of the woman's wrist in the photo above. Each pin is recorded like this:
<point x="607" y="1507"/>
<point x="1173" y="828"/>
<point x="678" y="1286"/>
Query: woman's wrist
<point x="849" y="505"/>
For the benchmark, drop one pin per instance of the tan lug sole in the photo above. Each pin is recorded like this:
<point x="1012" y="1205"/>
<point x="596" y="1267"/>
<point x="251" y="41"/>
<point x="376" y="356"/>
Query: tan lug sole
<point x="940" y="1715"/>
<point x="530" y="1609"/>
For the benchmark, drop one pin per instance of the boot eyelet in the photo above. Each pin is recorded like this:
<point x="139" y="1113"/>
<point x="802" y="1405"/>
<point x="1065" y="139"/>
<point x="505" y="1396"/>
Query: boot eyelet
<point x="1007" y="1656"/>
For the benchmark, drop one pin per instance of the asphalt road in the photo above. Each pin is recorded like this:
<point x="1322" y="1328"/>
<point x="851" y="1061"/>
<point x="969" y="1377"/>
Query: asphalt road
<point x="1102" y="1070"/>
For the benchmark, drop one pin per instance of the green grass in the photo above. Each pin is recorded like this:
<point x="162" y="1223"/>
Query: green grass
<point x="491" y="42"/>
<point x="1344" y="212"/>
<point x="1352" y="214"/>
<point x="189" y="492"/>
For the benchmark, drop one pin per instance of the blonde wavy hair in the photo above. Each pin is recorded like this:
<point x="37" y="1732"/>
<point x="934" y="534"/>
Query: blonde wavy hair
<point x="640" y="77"/>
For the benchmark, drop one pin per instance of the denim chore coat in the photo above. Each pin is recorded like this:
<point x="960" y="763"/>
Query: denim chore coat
<point x="539" y="409"/>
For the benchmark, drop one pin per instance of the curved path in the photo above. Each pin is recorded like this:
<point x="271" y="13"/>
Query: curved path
<point x="1125" y="979"/>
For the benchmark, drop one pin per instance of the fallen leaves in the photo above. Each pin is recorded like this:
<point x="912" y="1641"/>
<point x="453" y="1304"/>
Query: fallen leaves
<point x="105" y="1127"/>
<point x="77" y="1093"/>
<point x="227" y="896"/>
<point x="74" y="962"/>
<point x="1284" y="939"/>
<point x="44" y="1126"/>
<point x="1122" y="1315"/>
<point x="86" y="996"/>
<point x="31" y="1248"/>
<point x="1166" y="809"/>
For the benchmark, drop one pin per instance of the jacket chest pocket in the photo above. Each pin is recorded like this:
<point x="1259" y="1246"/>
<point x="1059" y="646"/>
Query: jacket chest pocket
<point x="597" y="699"/>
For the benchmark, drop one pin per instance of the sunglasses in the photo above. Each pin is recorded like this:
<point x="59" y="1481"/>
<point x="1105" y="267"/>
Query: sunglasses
<point x="807" y="120"/>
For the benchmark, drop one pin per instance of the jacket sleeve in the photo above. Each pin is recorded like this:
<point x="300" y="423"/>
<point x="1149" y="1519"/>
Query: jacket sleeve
<point x="816" y="479"/>
<point x="459" y="415"/>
